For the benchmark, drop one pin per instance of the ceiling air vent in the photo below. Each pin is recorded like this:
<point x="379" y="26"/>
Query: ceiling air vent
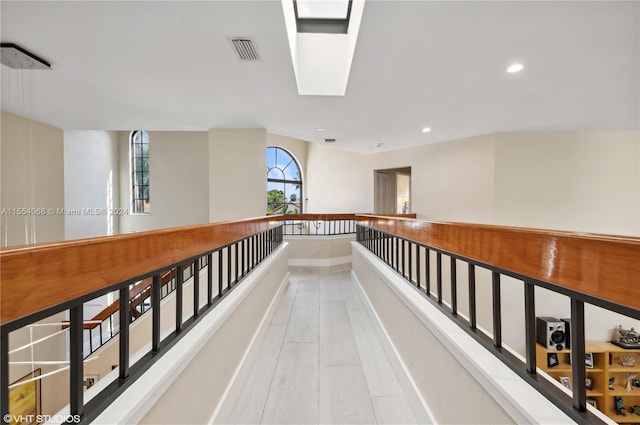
<point x="329" y="140"/>
<point x="245" y="49"/>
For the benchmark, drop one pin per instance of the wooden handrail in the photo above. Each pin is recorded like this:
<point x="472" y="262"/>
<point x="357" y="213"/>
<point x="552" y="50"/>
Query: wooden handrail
<point x="603" y="266"/>
<point x="330" y="217"/>
<point x="34" y="278"/>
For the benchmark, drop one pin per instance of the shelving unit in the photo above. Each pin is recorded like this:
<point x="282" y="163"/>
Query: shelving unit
<point x="606" y="364"/>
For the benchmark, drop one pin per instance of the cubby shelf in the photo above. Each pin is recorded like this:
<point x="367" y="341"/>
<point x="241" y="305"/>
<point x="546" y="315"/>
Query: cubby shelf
<point x="606" y="362"/>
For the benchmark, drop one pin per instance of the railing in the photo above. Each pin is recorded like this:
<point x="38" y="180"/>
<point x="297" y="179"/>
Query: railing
<point x="324" y="224"/>
<point x="39" y="281"/>
<point x="600" y="270"/>
<point x="105" y="326"/>
<point x="42" y="280"/>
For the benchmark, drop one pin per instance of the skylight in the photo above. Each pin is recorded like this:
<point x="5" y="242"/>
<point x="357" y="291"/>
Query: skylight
<point x="323" y="9"/>
<point x="322" y="16"/>
<point x="313" y="40"/>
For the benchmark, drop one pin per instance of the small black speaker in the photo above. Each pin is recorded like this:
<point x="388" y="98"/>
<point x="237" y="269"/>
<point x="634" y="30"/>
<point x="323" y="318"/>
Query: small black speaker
<point x="550" y="333"/>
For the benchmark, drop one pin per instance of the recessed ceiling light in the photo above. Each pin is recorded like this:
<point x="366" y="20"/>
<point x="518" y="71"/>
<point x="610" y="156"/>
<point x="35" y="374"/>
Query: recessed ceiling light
<point x="321" y="129"/>
<point x="426" y="130"/>
<point x="516" y="67"/>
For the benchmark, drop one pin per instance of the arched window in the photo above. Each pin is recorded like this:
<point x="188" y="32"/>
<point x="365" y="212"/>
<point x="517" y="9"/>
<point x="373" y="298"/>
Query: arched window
<point x="139" y="154"/>
<point x="284" y="183"/>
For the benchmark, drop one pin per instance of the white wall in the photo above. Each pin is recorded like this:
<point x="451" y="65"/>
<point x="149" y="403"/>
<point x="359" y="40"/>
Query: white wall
<point x="338" y="181"/>
<point x="32" y="176"/>
<point x="588" y="182"/>
<point x="450" y="181"/>
<point x="179" y="176"/>
<point x="237" y="174"/>
<point x="91" y="179"/>
<point x="585" y="182"/>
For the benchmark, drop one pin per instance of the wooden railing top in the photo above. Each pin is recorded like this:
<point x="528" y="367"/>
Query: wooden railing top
<point x="603" y="266"/>
<point x="37" y="277"/>
<point x="34" y="278"/>
<point x="340" y="216"/>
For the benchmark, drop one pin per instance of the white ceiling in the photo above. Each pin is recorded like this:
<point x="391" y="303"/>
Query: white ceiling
<point x="169" y="66"/>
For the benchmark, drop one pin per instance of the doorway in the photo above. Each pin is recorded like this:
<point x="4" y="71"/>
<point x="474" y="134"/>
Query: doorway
<point x="392" y="191"/>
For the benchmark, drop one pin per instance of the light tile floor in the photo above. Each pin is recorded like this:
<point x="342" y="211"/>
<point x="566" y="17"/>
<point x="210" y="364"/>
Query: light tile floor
<point x="320" y="361"/>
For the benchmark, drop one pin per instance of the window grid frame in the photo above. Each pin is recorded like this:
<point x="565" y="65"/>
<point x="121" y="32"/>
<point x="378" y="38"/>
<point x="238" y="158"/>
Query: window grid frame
<point x="285" y="181"/>
<point x="138" y="154"/>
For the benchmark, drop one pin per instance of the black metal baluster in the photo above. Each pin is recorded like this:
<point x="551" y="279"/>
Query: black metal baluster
<point x="76" y="372"/>
<point x="497" y="314"/>
<point x="90" y="341"/>
<point x="237" y="265"/>
<point x="249" y="254"/>
<point x="454" y="287"/>
<point x="387" y="248"/>
<point x="577" y="355"/>
<point x="255" y="250"/>
<point x="418" y="266"/>
<point x="403" y="258"/>
<point x="244" y="262"/>
<point x="530" y="326"/>
<point x="258" y="248"/>
<point x="220" y="273"/>
<point x="196" y="288"/>
<point x="410" y="263"/>
<point x="439" y="276"/>
<point x="210" y="279"/>
<point x="155" y="312"/>
<point x="179" y="281"/>
<point x="397" y="253"/>
<point x="372" y="242"/>
<point x="125" y="320"/>
<point x="228" y="249"/>
<point x="472" y="296"/>
<point x="427" y="271"/>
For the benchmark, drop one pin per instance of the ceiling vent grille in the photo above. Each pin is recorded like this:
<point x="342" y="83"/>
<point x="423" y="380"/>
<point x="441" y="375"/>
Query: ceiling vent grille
<point x="245" y="49"/>
<point x="329" y="140"/>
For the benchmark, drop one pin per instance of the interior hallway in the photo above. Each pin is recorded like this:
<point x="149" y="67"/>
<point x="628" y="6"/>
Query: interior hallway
<point x="320" y="361"/>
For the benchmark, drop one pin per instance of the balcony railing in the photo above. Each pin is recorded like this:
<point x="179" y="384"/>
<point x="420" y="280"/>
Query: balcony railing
<point x="600" y="270"/>
<point x="41" y="280"/>
<point x="103" y="327"/>
<point x="324" y="224"/>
